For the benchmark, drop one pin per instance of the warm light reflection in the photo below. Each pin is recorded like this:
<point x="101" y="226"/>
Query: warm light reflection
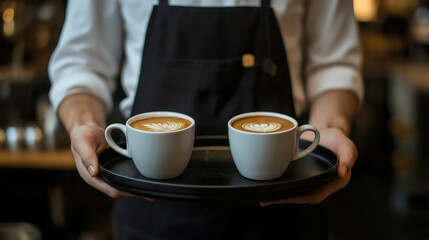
<point x="43" y="38"/>
<point x="2" y="136"/>
<point x="365" y="10"/>
<point x="9" y="28"/>
<point x="8" y="15"/>
<point x="8" y="22"/>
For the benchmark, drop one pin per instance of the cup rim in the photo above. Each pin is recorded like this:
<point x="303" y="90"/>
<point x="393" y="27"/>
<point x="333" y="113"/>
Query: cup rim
<point x="262" y="113"/>
<point x="159" y="114"/>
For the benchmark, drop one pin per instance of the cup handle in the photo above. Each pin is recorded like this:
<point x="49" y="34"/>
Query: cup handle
<point x="313" y="145"/>
<point x="111" y="142"/>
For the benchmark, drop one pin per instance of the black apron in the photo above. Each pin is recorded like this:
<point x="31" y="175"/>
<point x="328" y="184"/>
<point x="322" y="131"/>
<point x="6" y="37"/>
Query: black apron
<point x="212" y="63"/>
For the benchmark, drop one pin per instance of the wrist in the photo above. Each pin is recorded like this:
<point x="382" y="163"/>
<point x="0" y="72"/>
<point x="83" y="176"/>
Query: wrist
<point x="81" y="110"/>
<point x="76" y="123"/>
<point x="338" y="122"/>
<point x="334" y="109"/>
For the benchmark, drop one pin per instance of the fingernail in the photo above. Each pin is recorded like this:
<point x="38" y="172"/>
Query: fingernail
<point x="264" y="204"/>
<point x="91" y="170"/>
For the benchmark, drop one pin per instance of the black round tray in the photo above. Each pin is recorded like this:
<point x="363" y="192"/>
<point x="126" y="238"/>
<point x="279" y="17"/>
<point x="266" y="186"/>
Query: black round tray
<point x="212" y="176"/>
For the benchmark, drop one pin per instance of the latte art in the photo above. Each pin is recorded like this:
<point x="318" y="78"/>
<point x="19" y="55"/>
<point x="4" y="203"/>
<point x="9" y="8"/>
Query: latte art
<point x="263" y="127"/>
<point x="161" y="124"/>
<point x="164" y="127"/>
<point x="262" y="124"/>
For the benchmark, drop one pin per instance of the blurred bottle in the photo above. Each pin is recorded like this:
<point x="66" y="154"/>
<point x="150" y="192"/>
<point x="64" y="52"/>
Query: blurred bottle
<point x="419" y="34"/>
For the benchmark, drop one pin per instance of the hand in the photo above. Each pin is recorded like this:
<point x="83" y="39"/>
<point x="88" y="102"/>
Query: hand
<point x="83" y="115"/>
<point x="86" y="142"/>
<point x="335" y="140"/>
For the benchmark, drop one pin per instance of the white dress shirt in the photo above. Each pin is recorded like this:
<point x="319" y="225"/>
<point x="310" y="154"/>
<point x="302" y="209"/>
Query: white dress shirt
<point x="102" y="39"/>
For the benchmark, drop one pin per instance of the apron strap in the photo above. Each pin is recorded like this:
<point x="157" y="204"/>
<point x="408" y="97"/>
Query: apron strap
<point x="264" y="3"/>
<point x="163" y="3"/>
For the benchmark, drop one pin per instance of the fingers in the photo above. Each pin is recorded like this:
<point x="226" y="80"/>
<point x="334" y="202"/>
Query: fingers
<point x="87" y="157"/>
<point x="97" y="182"/>
<point x="87" y="142"/>
<point x="342" y="146"/>
<point x="347" y="154"/>
<point x="317" y="196"/>
<point x="346" y="151"/>
<point x="307" y="135"/>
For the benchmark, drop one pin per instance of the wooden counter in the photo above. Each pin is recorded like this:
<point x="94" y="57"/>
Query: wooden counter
<point x="59" y="159"/>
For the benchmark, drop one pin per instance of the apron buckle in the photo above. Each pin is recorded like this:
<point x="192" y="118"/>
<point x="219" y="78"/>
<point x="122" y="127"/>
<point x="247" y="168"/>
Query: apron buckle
<point x="268" y="66"/>
<point x="248" y="60"/>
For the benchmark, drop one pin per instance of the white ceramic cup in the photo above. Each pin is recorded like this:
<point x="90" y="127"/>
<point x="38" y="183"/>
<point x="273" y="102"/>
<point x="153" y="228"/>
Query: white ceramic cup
<point x="157" y="155"/>
<point x="266" y="156"/>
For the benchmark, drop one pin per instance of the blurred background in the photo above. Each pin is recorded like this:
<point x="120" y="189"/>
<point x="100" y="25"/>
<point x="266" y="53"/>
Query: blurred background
<point x="42" y="196"/>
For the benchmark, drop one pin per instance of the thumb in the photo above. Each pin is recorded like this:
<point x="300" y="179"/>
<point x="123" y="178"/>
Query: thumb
<point x="88" y="156"/>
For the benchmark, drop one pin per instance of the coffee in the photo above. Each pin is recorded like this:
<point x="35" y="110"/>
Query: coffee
<point x="164" y="147"/>
<point x="264" y="143"/>
<point x="262" y="124"/>
<point x="161" y="124"/>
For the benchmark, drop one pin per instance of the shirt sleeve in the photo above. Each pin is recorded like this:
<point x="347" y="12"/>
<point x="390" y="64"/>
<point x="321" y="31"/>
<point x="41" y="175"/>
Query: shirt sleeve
<point x="332" y="51"/>
<point x="87" y="57"/>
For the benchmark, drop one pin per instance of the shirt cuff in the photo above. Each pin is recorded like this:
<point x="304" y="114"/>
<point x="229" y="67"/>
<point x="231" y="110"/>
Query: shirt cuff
<point x="80" y="82"/>
<point x="336" y="78"/>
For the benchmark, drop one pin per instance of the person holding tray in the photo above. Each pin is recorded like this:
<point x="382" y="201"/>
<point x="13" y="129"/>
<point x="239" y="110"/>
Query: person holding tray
<point x="295" y="57"/>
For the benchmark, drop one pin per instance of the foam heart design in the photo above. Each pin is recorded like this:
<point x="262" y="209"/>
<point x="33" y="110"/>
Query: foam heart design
<point x="262" y="127"/>
<point x="164" y="126"/>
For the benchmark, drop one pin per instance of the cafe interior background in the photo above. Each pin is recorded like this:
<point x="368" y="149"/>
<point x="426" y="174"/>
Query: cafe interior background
<point x="42" y="196"/>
